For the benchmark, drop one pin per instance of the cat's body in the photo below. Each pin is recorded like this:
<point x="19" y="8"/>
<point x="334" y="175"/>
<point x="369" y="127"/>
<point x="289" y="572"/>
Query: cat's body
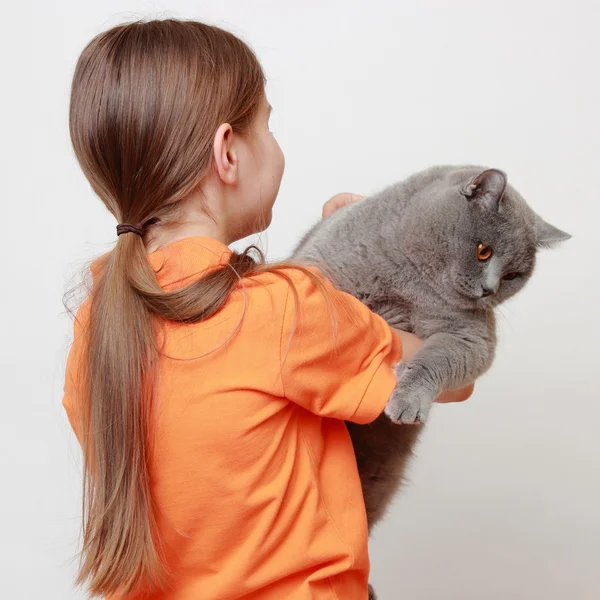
<point x="412" y="253"/>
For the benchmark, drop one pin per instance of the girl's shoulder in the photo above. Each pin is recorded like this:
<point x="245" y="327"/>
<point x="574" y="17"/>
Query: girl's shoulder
<point x="289" y="284"/>
<point x="286" y="276"/>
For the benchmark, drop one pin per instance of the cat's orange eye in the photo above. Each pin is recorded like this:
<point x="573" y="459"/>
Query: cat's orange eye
<point x="510" y="276"/>
<point x="483" y="252"/>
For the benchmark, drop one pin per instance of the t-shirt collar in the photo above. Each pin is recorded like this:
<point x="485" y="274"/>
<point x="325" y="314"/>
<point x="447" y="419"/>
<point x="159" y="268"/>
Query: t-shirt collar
<point x="182" y="262"/>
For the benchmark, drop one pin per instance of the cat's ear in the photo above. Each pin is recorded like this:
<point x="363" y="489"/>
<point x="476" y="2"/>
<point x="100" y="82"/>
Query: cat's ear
<point x="486" y="189"/>
<point x="547" y="235"/>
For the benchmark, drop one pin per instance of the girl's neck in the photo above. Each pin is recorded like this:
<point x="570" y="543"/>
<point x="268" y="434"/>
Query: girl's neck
<point x="172" y="232"/>
<point x="198" y="216"/>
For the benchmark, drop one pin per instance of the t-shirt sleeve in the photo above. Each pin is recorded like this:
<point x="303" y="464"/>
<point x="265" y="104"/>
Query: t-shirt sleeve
<point x="337" y="355"/>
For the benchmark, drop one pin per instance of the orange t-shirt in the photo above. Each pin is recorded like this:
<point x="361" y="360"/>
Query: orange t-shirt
<point x="253" y="471"/>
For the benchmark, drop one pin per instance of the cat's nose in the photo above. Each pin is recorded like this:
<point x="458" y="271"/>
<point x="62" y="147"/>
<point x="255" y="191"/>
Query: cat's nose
<point x="486" y="291"/>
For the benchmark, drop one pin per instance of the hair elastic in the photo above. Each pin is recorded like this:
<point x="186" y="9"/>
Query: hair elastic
<point x="129" y="228"/>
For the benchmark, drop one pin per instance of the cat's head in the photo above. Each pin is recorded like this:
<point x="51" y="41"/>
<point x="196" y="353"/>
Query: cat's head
<point x="473" y="237"/>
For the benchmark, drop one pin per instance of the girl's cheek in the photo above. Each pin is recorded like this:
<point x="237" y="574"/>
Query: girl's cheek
<point x="281" y="161"/>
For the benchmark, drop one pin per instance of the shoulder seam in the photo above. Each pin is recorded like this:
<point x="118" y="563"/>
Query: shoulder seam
<point x="283" y="317"/>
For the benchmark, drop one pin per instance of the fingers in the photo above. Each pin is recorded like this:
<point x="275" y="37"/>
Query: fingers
<point x="338" y="201"/>
<point x="410" y="343"/>
<point x="456" y="395"/>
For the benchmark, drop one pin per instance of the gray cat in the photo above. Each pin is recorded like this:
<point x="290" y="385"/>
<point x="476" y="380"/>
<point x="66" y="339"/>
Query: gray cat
<point x="434" y="255"/>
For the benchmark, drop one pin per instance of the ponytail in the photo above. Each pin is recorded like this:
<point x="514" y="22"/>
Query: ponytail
<point x="119" y="550"/>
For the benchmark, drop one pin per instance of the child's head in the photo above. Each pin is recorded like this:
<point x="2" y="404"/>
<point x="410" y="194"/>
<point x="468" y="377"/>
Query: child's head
<point x="169" y="120"/>
<point x="169" y="123"/>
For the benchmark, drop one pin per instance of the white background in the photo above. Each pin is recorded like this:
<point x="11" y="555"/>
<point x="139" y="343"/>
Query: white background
<point x="504" y="501"/>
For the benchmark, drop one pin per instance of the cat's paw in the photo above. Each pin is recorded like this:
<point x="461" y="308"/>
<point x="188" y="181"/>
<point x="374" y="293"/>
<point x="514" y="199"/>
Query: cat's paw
<point x="411" y="400"/>
<point x="372" y="595"/>
<point x="408" y="406"/>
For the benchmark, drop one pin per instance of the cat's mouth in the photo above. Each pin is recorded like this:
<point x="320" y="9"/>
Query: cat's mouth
<point x="479" y="300"/>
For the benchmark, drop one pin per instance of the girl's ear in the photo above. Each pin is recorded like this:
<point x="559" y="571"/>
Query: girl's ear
<point x="224" y="154"/>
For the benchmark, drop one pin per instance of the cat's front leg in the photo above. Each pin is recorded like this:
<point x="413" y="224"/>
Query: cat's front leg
<point x="445" y="361"/>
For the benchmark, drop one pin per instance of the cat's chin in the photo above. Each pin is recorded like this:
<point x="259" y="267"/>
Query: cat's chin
<point x="488" y="303"/>
<point x="466" y="302"/>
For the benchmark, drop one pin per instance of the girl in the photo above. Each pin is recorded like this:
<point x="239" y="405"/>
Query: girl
<point x="208" y="390"/>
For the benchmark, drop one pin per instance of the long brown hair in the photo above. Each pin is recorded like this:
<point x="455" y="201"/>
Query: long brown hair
<point x="147" y="98"/>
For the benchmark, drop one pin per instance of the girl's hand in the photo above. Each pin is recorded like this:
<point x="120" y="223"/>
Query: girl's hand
<point x="410" y="344"/>
<point x="338" y="201"/>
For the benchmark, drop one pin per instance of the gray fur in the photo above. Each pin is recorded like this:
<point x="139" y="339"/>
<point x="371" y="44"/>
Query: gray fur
<point x="410" y="254"/>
